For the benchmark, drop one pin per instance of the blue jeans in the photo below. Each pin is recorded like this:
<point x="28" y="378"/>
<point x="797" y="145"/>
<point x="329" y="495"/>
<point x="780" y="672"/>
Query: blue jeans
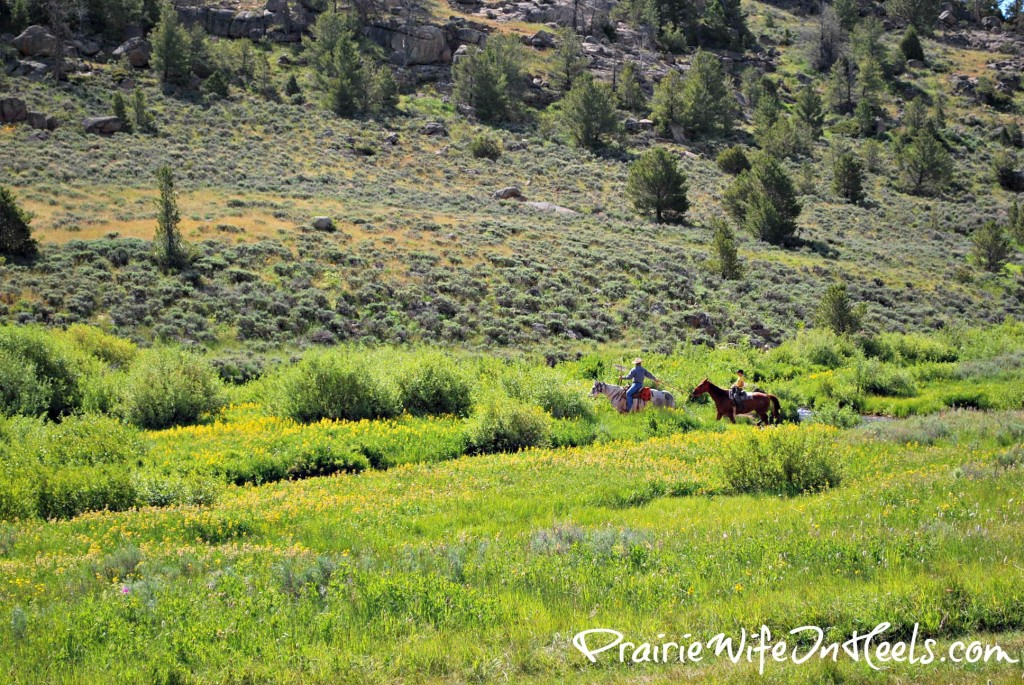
<point x="633" y="390"/>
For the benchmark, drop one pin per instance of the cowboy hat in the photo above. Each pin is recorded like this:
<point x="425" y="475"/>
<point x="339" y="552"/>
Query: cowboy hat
<point x="638" y="360"/>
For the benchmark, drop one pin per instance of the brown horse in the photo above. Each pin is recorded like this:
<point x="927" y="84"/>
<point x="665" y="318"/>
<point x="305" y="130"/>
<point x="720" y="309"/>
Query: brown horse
<point x="755" y="403"/>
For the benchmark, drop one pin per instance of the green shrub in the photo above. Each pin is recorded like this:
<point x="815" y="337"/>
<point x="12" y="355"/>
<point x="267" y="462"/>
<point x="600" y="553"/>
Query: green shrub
<point x="572" y="433"/>
<point x="434" y="384"/>
<point x="80" y="440"/>
<point x="96" y="343"/>
<point x="732" y="160"/>
<point x="876" y="378"/>
<point x="17" y="500"/>
<point x="169" y="387"/>
<point x="66" y="493"/>
<point x="817" y="347"/>
<point x="337" y="384"/>
<point x="21" y="390"/>
<point x="503" y="424"/>
<point x="834" y="414"/>
<point x="784" y="461"/>
<point x="56" y="370"/>
<point x="967" y="398"/>
<point x="485" y="146"/>
<point x="909" y="348"/>
<point x="160" y="490"/>
<point x="552" y="395"/>
<point x="316" y="455"/>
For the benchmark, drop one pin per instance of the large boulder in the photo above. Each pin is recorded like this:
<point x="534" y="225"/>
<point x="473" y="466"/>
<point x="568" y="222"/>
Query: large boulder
<point x="42" y="121"/>
<point x="12" y="110"/>
<point x="948" y="19"/>
<point x="509" y="193"/>
<point x="103" y="126"/>
<point x="36" y="41"/>
<point x="423" y="45"/>
<point x="137" y="51"/>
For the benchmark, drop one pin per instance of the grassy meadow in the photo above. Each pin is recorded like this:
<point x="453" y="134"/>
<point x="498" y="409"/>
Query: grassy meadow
<point x="485" y="509"/>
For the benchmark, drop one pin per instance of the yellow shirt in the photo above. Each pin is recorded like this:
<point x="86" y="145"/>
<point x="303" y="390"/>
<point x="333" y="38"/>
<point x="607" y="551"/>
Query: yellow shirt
<point x="738" y="383"/>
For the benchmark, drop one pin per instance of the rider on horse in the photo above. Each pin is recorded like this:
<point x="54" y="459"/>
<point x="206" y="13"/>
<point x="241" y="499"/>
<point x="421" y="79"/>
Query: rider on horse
<point x="637" y="376"/>
<point x="736" y="392"/>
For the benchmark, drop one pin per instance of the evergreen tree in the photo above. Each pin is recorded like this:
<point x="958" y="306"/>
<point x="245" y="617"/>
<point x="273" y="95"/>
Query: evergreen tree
<point x="924" y="164"/>
<point x="841" y="83"/>
<point x="922" y="14"/>
<point x="991" y="247"/>
<point x="346" y="84"/>
<point x="727" y="261"/>
<point x="809" y="111"/>
<point x="657" y="186"/>
<point x="588" y="113"/>
<point x="121" y="112"/>
<point x="701" y="103"/>
<point x="910" y="46"/>
<point x="837" y="312"/>
<point x="631" y="95"/>
<point x="491" y="80"/>
<point x="847" y="12"/>
<point x="291" y="87"/>
<point x="1017" y="222"/>
<point x="848" y="176"/>
<point x="15" y="232"/>
<point x="915" y="117"/>
<point x="169" y="248"/>
<point x="171" y="58"/>
<point x="763" y="201"/>
<point x="570" y="60"/>
<point x="140" y="112"/>
<point x="724" y="25"/>
<point x="667" y="104"/>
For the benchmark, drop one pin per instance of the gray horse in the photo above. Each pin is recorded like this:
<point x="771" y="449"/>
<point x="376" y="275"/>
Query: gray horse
<point x="616" y="394"/>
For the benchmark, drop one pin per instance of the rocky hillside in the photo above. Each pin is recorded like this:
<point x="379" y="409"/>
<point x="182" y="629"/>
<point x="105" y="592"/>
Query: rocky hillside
<point x="310" y="227"/>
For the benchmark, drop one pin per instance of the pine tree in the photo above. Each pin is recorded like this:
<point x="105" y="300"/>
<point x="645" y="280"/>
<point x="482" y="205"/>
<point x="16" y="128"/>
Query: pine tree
<point x="1017" y="223"/>
<point x="700" y="102"/>
<point x="121" y="112"/>
<point x="588" y="113"/>
<point x="991" y="247"/>
<point x="910" y="46"/>
<point x="848" y="176"/>
<point x="667" y="104"/>
<point x="657" y="186"/>
<point x="169" y="248"/>
<point x="837" y="312"/>
<point x="763" y="201"/>
<point x="171" y="58"/>
<point x="15" y="232"/>
<point x="925" y="165"/>
<point x="346" y="87"/>
<point x="809" y="111"/>
<point x="841" y="82"/>
<point x="570" y="60"/>
<point x="140" y="111"/>
<point x="491" y="80"/>
<point x="727" y="261"/>
<point x="631" y="95"/>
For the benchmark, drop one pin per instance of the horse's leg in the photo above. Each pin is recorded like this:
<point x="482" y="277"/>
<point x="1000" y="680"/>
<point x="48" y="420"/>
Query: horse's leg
<point x="762" y="418"/>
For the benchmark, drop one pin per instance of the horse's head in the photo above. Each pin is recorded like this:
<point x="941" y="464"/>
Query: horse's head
<point x="705" y="386"/>
<point x="598" y="389"/>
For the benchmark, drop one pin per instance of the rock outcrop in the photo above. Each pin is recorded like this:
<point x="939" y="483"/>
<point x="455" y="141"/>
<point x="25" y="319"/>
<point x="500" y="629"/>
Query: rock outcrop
<point x="12" y="110"/>
<point x="137" y="51"/>
<point x="36" y="41"/>
<point x="103" y="126"/>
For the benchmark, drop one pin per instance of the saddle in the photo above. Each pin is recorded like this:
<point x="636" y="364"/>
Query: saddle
<point x="644" y="395"/>
<point x="738" y="396"/>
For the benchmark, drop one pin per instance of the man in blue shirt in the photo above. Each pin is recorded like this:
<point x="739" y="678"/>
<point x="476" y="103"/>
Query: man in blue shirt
<point x="637" y="376"/>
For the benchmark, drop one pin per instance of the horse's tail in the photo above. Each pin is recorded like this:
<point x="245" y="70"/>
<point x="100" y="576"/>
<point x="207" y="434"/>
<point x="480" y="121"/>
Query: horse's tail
<point x="776" y="409"/>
